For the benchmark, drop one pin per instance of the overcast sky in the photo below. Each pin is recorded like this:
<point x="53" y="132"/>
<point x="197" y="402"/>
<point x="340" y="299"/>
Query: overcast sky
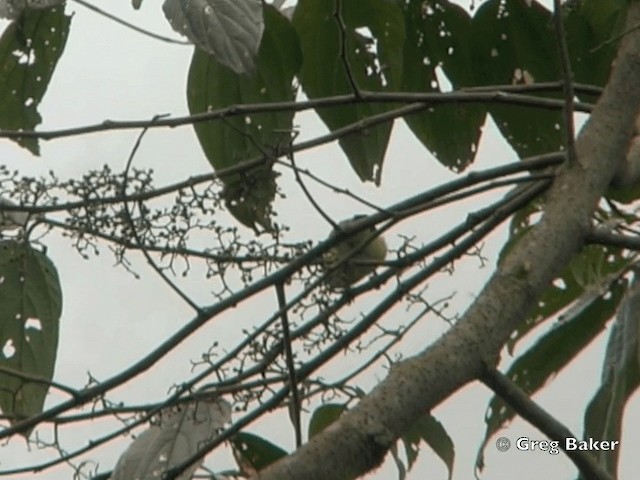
<point x="111" y="319"/>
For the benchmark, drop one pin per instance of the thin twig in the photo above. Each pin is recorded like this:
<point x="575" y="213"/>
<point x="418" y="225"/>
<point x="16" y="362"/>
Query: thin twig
<point x="307" y="193"/>
<point x="614" y="38"/>
<point x="500" y="95"/>
<point x="344" y="57"/>
<point x="130" y="25"/>
<point x="567" y="86"/>
<point x="189" y="327"/>
<point x="135" y="233"/>
<point x="294" y="411"/>
<point x="342" y="191"/>
<point x="33" y="378"/>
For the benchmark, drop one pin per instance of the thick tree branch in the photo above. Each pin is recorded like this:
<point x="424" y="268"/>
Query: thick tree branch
<point x="358" y="441"/>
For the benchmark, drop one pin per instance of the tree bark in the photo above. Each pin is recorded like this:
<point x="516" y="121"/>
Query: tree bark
<point x="358" y="442"/>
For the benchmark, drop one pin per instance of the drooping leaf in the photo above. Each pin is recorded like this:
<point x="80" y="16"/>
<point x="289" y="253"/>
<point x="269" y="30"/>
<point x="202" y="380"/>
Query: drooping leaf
<point x="593" y="267"/>
<point x="30" y="48"/>
<point x="554" y="351"/>
<point x="227" y="142"/>
<point x="439" y="39"/>
<point x="229" y="30"/>
<point x="373" y="41"/>
<point x="591" y="270"/>
<point x="31" y="300"/>
<point x="253" y="453"/>
<point x="395" y="454"/>
<point x="513" y="43"/>
<point x="591" y="30"/>
<point x="324" y="416"/>
<point x="429" y="430"/>
<point x="620" y="379"/>
<point x="13" y="9"/>
<point x="179" y="434"/>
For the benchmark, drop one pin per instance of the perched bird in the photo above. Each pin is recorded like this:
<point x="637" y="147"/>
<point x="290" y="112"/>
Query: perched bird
<point x="354" y="257"/>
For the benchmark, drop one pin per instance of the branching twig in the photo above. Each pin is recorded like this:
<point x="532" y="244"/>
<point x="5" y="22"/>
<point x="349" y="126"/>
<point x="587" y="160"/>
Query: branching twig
<point x="130" y="25"/>
<point x="291" y="366"/>
<point x="502" y="95"/>
<point x="210" y="312"/>
<point x="136" y="234"/>
<point x="344" y="56"/>
<point x="567" y="87"/>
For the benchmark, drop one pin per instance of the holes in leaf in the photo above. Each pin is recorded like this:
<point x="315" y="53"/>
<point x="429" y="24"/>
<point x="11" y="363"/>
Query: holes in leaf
<point x="33" y="323"/>
<point x="8" y="349"/>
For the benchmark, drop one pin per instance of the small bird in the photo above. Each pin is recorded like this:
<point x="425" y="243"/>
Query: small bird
<point x="355" y="257"/>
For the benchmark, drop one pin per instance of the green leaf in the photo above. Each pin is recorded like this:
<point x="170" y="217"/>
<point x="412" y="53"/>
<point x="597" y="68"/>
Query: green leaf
<point x="402" y="471"/>
<point x="429" y="430"/>
<point x="438" y="37"/>
<point x="30" y="48"/>
<point x="253" y="453"/>
<point x="620" y="379"/>
<point x="590" y="26"/>
<point x="586" y="272"/>
<point x="374" y="37"/>
<point x="227" y="142"/>
<point x="31" y="300"/>
<point x="229" y="30"/>
<point x="554" y="351"/>
<point x="324" y="416"/>
<point x="514" y="43"/>
<point x="591" y="268"/>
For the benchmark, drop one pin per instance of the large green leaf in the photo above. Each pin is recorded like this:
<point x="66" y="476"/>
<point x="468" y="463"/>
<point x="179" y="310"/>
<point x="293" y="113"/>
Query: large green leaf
<point x="587" y="272"/>
<point x="374" y="37"/>
<point x="229" y="30"/>
<point x="514" y="43"/>
<point x="590" y="26"/>
<point x="253" y="453"/>
<point x="31" y="301"/>
<point x="227" y="142"/>
<point x="620" y="379"/>
<point x="29" y="51"/>
<point x="554" y="351"/>
<point x="323" y="416"/>
<point x="438" y="37"/>
<point x="429" y="430"/>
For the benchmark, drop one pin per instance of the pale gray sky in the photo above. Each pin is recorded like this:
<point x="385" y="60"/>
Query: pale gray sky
<point x="111" y="319"/>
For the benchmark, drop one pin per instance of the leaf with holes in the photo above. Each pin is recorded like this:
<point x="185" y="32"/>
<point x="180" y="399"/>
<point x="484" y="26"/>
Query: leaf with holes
<point x="29" y="50"/>
<point x="438" y="40"/>
<point x="373" y="39"/>
<point x="620" y="379"/>
<point x="13" y="9"/>
<point x="227" y="142"/>
<point x="553" y="351"/>
<point x="31" y="300"/>
<point x="229" y="30"/>
<point x="253" y="453"/>
<point x="180" y="433"/>
<point x="513" y="43"/>
<point x="593" y="29"/>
